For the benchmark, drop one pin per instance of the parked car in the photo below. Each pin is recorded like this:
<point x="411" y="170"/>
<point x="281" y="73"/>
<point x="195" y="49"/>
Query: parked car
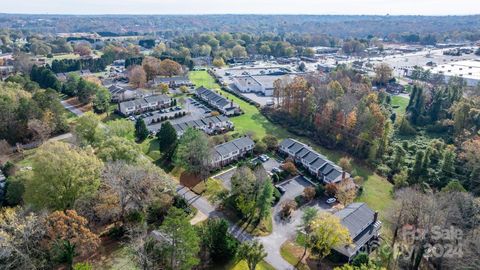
<point x="276" y="170"/>
<point x="331" y="200"/>
<point x="263" y="158"/>
<point x="281" y="189"/>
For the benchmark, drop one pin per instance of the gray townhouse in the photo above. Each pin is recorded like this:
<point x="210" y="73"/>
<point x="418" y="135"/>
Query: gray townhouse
<point x="217" y="101"/>
<point x="174" y="82"/>
<point x="120" y="93"/>
<point x="144" y="104"/>
<point x="317" y="164"/>
<point x="364" y="227"/>
<point x="209" y="125"/>
<point x="228" y="152"/>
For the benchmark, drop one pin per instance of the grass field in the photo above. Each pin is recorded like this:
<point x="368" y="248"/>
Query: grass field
<point x="401" y="102"/>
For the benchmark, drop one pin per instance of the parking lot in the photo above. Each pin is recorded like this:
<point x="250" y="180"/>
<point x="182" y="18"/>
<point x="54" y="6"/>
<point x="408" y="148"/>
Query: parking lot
<point x="294" y="187"/>
<point x="194" y="111"/>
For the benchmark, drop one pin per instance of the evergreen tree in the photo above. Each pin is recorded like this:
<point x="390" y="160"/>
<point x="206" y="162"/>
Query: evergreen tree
<point x="167" y="139"/>
<point x="264" y="202"/>
<point x="141" y="131"/>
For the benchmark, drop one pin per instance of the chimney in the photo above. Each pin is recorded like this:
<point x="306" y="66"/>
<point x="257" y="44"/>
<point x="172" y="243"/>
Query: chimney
<point x="344" y="174"/>
<point x="375" y="216"/>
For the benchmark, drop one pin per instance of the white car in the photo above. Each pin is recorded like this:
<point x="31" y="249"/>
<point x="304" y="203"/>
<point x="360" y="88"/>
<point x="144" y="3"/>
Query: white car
<point x="331" y="200"/>
<point x="263" y="158"/>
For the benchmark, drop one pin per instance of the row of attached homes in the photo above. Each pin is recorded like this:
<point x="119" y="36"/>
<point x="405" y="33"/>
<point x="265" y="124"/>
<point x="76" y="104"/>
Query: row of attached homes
<point x="209" y="125"/>
<point x="216" y="100"/>
<point x="317" y="164"/>
<point x="225" y="153"/>
<point x="144" y="104"/>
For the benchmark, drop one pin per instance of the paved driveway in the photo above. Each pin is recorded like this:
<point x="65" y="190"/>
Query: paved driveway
<point x="294" y="187"/>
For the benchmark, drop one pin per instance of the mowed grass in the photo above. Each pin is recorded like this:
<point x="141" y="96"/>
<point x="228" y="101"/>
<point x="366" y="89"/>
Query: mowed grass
<point x="401" y="102"/>
<point x="242" y="265"/>
<point x="252" y="121"/>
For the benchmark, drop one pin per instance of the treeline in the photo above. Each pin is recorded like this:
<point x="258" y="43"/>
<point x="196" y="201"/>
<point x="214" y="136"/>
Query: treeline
<point x="435" y="143"/>
<point x="28" y="113"/>
<point x="69" y="65"/>
<point x="338" y="111"/>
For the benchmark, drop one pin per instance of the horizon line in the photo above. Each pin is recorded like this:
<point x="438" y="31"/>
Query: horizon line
<point x="242" y="14"/>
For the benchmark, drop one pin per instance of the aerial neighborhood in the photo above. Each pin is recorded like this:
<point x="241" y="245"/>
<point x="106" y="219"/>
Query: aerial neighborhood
<point x="234" y="141"/>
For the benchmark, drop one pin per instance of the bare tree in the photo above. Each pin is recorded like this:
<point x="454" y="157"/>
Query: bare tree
<point x="135" y="185"/>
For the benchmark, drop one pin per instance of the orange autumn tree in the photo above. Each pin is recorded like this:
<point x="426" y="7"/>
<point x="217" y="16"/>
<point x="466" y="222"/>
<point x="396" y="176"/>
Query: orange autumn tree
<point x="70" y="227"/>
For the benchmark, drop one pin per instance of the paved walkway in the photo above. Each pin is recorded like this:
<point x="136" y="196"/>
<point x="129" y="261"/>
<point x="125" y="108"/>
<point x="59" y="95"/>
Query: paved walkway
<point x="71" y="108"/>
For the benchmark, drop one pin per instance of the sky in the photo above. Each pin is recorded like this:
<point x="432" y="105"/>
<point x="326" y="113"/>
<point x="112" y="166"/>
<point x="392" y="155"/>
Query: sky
<point x="320" y="7"/>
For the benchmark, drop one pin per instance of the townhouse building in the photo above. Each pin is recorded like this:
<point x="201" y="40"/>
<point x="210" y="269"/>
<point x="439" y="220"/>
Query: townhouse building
<point x="317" y="164"/>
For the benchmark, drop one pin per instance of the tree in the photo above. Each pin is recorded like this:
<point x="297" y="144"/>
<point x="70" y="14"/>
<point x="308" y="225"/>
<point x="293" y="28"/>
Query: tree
<point x="181" y="243"/>
<point x="346" y="192"/>
<point x="86" y="128"/>
<point x="70" y="231"/>
<point x="117" y="148"/>
<point x="137" y="76"/>
<point x="328" y="232"/>
<point x="167" y="139"/>
<point x="101" y="102"/>
<point x="288" y="207"/>
<point x="309" y="193"/>
<point x="271" y="142"/>
<point x="383" y="73"/>
<point x="121" y="128"/>
<point x="141" y="131"/>
<point x="218" y="62"/>
<point x="265" y="200"/>
<point x="23" y="234"/>
<point x="164" y="88"/>
<point x="42" y="130"/>
<point x="61" y="173"/>
<point x="289" y="167"/>
<point x="217" y="240"/>
<point x="170" y="68"/>
<point x="151" y="66"/>
<point x="252" y="252"/>
<point x="83" y="49"/>
<point x="239" y="51"/>
<point x="132" y="187"/>
<point x="309" y="214"/>
<point x="361" y="259"/>
<point x="260" y="147"/>
<point x="193" y="153"/>
<point x="346" y="164"/>
<point x="454" y="186"/>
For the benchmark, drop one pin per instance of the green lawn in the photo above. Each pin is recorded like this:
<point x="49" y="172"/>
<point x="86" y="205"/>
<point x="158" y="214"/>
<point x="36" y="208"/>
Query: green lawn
<point x="242" y="265"/>
<point x="401" y="102"/>
<point x="251" y="121"/>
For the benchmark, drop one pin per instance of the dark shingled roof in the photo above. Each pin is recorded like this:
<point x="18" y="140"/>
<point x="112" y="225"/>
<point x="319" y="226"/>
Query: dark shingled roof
<point x="358" y="218"/>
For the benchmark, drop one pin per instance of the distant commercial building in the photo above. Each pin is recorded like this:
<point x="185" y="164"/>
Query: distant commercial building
<point x="469" y="70"/>
<point x="144" y="104"/>
<point x="262" y="84"/>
